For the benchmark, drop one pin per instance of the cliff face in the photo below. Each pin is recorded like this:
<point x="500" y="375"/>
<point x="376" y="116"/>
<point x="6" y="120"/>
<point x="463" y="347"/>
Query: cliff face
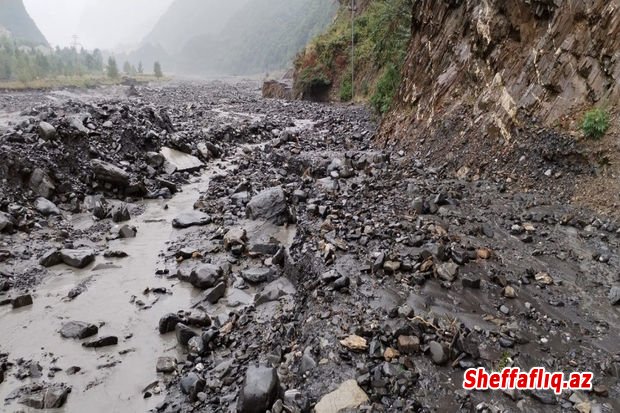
<point x="500" y="60"/>
<point x="15" y="19"/>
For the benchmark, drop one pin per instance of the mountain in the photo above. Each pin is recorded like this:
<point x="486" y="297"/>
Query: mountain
<point x="185" y="19"/>
<point x="15" y="19"/>
<point x="265" y="35"/>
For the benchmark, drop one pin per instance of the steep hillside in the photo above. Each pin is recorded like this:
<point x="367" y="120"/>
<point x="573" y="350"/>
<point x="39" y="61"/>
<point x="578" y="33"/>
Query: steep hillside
<point x="499" y="88"/>
<point x="15" y="19"/>
<point x="326" y="70"/>
<point x="265" y="35"/>
<point x="186" y="19"/>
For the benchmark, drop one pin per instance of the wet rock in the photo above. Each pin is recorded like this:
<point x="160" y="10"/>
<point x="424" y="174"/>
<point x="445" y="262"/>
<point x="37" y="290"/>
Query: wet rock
<point x="78" y="258"/>
<point x="269" y="205"/>
<point x="348" y="396"/>
<point x="471" y="281"/>
<point x="45" y="207"/>
<point x="168" y="322"/>
<point x="166" y="365"/>
<point x="196" y="346"/>
<point x="21" y="301"/>
<point x="259" y="391"/>
<point x="192" y="384"/>
<point x="78" y="330"/>
<point x="177" y="161"/>
<point x="198" y="318"/>
<point x="102" y="342"/>
<point x="391" y="266"/>
<point x="51" y="258"/>
<point x="183" y="334"/>
<point x="438" y="352"/>
<point x="41" y="184"/>
<point x="51" y="396"/>
<point x="120" y="213"/>
<point x="257" y="275"/>
<point x="213" y="295"/>
<point x="105" y="171"/>
<point x="155" y="159"/>
<point x="190" y="219"/>
<point x="6" y="222"/>
<point x="46" y="131"/>
<point x="127" y="231"/>
<point x="205" y="276"/>
<point x="614" y="296"/>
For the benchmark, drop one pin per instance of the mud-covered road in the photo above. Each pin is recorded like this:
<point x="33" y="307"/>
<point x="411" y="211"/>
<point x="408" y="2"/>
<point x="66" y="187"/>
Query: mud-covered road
<point x="194" y="247"/>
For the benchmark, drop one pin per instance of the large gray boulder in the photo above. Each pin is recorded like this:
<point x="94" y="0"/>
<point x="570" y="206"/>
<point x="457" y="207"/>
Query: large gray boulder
<point x="177" y="161"/>
<point x="46" y="131"/>
<point x="78" y="258"/>
<point x="259" y="391"/>
<point x="105" y="171"/>
<point x="190" y="219"/>
<point x="270" y="205"/>
<point x="46" y="207"/>
<point x="41" y="184"/>
<point x="6" y="222"/>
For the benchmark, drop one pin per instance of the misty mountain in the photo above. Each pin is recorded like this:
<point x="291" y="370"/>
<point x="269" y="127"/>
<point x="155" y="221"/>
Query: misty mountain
<point x="186" y="19"/>
<point x="15" y="19"/>
<point x="265" y="35"/>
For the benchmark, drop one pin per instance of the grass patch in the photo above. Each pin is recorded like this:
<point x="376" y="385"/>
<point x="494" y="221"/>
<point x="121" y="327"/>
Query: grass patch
<point x="595" y="123"/>
<point x="87" y="81"/>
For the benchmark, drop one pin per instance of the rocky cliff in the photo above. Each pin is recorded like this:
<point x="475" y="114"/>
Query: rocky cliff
<point x="492" y="85"/>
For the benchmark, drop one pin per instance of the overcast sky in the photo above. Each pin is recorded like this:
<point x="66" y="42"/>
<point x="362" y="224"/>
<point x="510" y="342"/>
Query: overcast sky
<point x="105" y="24"/>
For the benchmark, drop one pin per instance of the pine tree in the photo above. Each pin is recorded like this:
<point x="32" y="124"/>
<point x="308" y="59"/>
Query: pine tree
<point x="112" y="69"/>
<point x="157" y="70"/>
<point x="127" y="68"/>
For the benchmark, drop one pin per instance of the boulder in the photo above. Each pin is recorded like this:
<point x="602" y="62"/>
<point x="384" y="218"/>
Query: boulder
<point x="105" y="171"/>
<point x="120" y="213"/>
<point x="6" y="222"/>
<point x="190" y="219"/>
<point x="51" y="396"/>
<point x="177" y="161"/>
<point x="349" y="396"/>
<point x="270" y="205"/>
<point x="41" y="184"/>
<point x="102" y="342"/>
<point x="257" y="275"/>
<point x="21" y="301"/>
<point x="192" y="384"/>
<point x="78" y="330"/>
<point x="205" y="276"/>
<point x="259" y="391"/>
<point x="78" y="258"/>
<point x="46" y="207"/>
<point x="46" y="131"/>
<point x="51" y="258"/>
<point x="168" y="322"/>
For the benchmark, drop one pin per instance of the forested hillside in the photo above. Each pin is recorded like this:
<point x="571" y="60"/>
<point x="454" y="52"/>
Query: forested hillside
<point x="15" y="19"/>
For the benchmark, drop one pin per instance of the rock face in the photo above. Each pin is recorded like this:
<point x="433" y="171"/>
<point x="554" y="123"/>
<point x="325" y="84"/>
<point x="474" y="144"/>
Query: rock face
<point x="259" y="391"/>
<point x="348" y="396"/>
<point x="269" y="204"/>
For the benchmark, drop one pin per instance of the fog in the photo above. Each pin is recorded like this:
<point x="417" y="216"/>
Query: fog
<point x="105" y="24"/>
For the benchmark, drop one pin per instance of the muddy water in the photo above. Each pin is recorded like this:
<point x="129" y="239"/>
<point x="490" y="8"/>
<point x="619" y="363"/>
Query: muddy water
<point x="113" y="377"/>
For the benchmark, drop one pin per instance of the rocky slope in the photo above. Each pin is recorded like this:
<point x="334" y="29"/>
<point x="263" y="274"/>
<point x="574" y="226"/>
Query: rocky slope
<point x="507" y="82"/>
<point x="15" y="19"/>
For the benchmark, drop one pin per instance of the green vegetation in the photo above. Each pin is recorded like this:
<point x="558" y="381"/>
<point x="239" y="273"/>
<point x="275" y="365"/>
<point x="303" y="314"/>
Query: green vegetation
<point x="112" y="68"/>
<point x="24" y="63"/>
<point x="157" y="70"/>
<point x="346" y="89"/>
<point x="381" y="32"/>
<point x="595" y="123"/>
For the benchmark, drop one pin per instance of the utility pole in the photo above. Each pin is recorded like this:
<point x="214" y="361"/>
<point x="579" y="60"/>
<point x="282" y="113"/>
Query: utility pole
<point x="352" y="49"/>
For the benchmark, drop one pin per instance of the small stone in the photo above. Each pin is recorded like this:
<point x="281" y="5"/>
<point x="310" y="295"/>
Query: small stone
<point x="447" y="271"/>
<point x="509" y="292"/>
<point x="347" y="397"/>
<point x="438" y="352"/>
<point x="190" y="219"/>
<point x="192" y="384"/>
<point x="21" y="301"/>
<point x="183" y="333"/>
<point x="391" y="266"/>
<point x="168" y="322"/>
<point x="390" y="354"/>
<point x="257" y="275"/>
<point x="102" y="342"/>
<point x="355" y="343"/>
<point x="166" y="365"/>
<point x="471" y="281"/>
<point x="408" y="344"/>
<point x="543" y="278"/>
<point x="483" y="253"/>
<point x="205" y="276"/>
<point x="51" y="258"/>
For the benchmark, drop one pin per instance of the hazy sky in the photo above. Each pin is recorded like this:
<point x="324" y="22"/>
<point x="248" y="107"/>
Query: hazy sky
<point x="105" y="24"/>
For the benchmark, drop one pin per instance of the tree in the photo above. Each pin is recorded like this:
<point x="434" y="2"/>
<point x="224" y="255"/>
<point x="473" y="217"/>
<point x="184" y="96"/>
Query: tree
<point x="157" y="70"/>
<point x="112" y="69"/>
<point x="140" y="68"/>
<point x="127" y="68"/>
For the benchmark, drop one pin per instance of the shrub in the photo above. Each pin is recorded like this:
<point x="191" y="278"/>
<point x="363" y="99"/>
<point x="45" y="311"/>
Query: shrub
<point x="346" y="89"/>
<point x="387" y="85"/>
<point x="595" y="123"/>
